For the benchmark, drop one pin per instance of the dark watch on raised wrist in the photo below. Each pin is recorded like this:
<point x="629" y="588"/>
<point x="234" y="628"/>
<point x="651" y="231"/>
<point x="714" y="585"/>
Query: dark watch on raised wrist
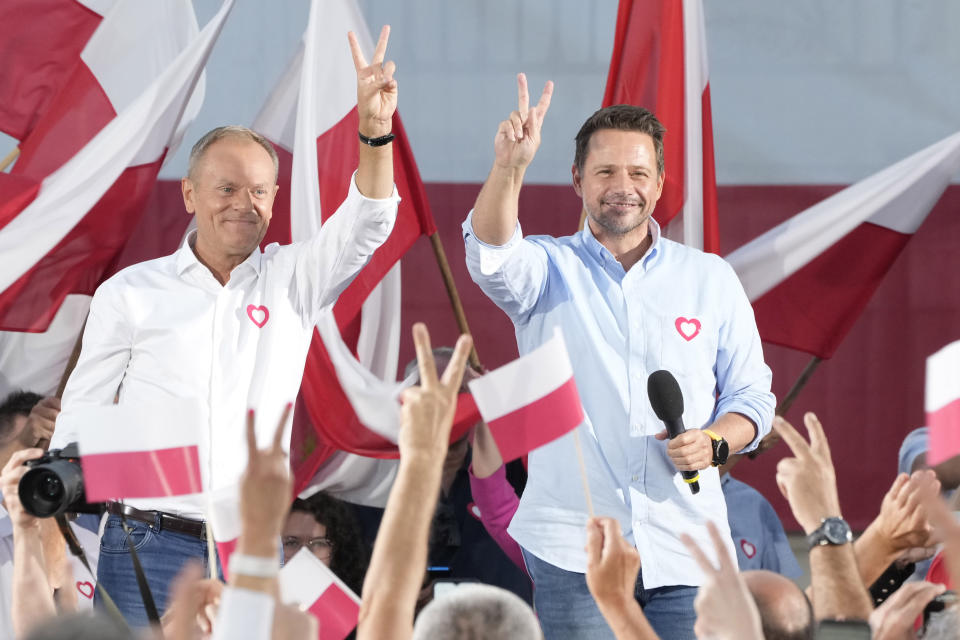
<point x="721" y="449"/>
<point x="832" y="531"/>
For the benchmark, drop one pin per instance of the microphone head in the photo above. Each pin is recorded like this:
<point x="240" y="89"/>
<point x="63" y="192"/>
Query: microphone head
<point x="665" y="395"/>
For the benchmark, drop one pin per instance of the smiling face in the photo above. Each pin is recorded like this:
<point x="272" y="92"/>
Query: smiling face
<point x="231" y="191"/>
<point x="619" y="182"/>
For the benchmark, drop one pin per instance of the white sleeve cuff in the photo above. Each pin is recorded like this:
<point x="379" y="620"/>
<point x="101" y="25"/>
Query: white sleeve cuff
<point x="490" y="257"/>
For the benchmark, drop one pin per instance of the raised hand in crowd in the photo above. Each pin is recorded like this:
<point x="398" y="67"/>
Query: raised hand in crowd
<point x="895" y="618"/>
<point x="901" y="526"/>
<point x="808" y="481"/>
<point x="725" y="609"/>
<point x="515" y="145"/>
<point x="400" y="553"/>
<point x="193" y="605"/>
<point x="612" y="566"/>
<point x="41" y="422"/>
<point x="32" y="597"/>
<point x="376" y="104"/>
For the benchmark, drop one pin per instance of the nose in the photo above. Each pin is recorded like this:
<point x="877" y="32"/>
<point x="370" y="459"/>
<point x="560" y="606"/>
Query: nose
<point x="242" y="200"/>
<point x="623" y="182"/>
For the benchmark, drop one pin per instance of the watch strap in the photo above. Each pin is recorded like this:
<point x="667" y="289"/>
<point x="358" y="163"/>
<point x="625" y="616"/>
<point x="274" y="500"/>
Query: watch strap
<point x="254" y="566"/>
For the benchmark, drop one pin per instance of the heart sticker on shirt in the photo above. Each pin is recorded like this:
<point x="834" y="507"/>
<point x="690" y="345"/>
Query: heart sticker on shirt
<point x="748" y="548"/>
<point x="85" y="589"/>
<point x="688" y="328"/>
<point x="258" y="315"/>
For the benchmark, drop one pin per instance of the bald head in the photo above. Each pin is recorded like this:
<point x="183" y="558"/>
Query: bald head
<point x="785" y="612"/>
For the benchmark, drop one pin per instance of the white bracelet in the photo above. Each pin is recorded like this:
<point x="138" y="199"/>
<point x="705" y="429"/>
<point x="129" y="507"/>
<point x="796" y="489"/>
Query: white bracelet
<point x="253" y="566"/>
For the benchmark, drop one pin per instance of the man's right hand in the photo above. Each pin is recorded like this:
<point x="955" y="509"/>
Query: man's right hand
<point x="9" y="483"/>
<point x="41" y="422"/>
<point x="518" y="137"/>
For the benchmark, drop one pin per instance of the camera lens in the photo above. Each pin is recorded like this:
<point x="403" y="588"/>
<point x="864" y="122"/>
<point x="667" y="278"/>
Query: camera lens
<point x="50" y="489"/>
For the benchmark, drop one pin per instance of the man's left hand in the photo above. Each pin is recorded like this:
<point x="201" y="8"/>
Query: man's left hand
<point x="690" y="451"/>
<point x="376" y="87"/>
<point x="9" y="484"/>
<point x="41" y="422"/>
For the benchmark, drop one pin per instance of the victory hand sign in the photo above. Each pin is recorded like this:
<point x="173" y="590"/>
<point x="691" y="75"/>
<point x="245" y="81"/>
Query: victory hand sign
<point x="518" y="137"/>
<point x="376" y="87"/>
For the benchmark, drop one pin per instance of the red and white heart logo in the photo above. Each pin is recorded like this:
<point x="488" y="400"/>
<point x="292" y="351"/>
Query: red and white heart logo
<point x="687" y="327"/>
<point x="749" y="549"/>
<point x="474" y="510"/>
<point x="85" y="589"/>
<point x="258" y="315"/>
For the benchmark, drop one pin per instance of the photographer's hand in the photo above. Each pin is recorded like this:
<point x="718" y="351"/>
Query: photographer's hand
<point x="10" y="481"/>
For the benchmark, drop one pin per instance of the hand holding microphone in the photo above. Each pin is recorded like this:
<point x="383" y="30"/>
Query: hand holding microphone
<point x="667" y="402"/>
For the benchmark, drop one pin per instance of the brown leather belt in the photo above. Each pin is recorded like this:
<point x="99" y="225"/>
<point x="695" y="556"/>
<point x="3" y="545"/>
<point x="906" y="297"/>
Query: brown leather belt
<point x="166" y="521"/>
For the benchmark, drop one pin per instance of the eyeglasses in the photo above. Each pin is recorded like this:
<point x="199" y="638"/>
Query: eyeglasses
<point x="320" y="547"/>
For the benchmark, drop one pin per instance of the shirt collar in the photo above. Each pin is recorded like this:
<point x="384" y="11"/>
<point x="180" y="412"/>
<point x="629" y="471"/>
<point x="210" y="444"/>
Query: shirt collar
<point x="186" y="258"/>
<point x="603" y="255"/>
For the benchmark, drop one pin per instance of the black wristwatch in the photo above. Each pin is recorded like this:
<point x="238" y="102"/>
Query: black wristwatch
<point x="832" y="531"/>
<point x="721" y="450"/>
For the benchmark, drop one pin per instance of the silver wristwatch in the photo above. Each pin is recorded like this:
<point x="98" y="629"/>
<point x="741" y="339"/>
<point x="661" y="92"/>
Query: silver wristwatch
<point x="832" y="531"/>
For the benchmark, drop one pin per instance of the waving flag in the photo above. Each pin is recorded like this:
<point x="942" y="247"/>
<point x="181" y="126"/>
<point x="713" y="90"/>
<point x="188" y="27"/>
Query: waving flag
<point x="311" y="117"/>
<point x="311" y="585"/>
<point x="942" y="403"/>
<point x="811" y="276"/>
<point x="88" y="207"/>
<point x="660" y="62"/>
<point x="40" y="44"/>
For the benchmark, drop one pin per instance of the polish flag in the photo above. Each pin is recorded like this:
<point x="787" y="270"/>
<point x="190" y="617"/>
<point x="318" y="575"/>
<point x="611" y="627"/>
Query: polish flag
<point x="660" y="62"/>
<point x="942" y="403"/>
<point x="308" y="583"/>
<point x="158" y="457"/>
<point x="811" y="276"/>
<point x="78" y="218"/>
<point x="224" y="515"/>
<point x="531" y="401"/>
<point x="40" y="43"/>
<point x="311" y="118"/>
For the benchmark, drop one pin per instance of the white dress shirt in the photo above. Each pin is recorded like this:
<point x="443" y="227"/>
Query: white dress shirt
<point x="167" y="328"/>
<point x="620" y="327"/>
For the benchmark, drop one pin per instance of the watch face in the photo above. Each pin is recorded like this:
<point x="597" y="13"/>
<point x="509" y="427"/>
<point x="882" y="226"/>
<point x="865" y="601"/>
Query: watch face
<point x="723" y="451"/>
<point x="836" y="531"/>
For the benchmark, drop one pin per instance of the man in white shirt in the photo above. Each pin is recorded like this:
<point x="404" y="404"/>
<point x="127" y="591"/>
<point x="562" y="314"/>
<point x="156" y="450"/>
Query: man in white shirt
<point x="629" y="302"/>
<point x="224" y="322"/>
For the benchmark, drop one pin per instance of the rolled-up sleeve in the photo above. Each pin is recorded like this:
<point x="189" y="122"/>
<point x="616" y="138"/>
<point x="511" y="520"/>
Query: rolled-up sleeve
<point x="743" y="378"/>
<point x="513" y="275"/>
<point x="329" y="261"/>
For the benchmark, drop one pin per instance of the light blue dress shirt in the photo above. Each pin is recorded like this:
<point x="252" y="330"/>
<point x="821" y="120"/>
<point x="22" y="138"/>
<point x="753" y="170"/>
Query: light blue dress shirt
<point x="756" y="530"/>
<point x="677" y="309"/>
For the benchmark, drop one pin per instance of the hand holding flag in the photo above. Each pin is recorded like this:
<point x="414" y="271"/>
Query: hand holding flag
<point x="376" y="87"/>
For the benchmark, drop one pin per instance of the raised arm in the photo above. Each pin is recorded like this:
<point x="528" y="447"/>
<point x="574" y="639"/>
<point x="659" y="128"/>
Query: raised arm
<point x="400" y="552"/>
<point x="516" y="142"/>
<point x="376" y="104"/>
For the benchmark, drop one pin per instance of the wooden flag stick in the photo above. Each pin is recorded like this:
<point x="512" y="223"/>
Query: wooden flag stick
<point x="71" y="361"/>
<point x="7" y="161"/>
<point x="211" y="545"/>
<point x="583" y="471"/>
<point x="452" y="293"/>
<point x="773" y="438"/>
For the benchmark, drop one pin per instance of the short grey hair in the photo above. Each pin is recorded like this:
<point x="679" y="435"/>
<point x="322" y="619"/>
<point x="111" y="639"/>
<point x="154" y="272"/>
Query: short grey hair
<point x="231" y="131"/>
<point x="477" y="612"/>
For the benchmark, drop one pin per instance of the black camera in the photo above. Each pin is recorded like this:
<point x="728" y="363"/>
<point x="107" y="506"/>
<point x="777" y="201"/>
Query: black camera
<point x="54" y="484"/>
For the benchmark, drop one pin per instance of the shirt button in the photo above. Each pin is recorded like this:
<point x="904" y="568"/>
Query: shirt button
<point x="635" y="478"/>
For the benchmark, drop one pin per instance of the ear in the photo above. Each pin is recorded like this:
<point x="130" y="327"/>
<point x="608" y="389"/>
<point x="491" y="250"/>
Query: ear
<point x="189" y="192"/>
<point x="577" y="180"/>
<point x="660" y="179"/>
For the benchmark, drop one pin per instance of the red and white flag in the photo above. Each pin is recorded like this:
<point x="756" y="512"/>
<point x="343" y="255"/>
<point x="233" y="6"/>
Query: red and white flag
<point x="224" y="515"/>
<point x="811" y="276"/>
<point x="531" y="401"/>
<point x="310" y="584"/>
<point x="311" y="117"/>
<point x="660" y="62"/>
<point x="40" y="44"/>
<point x="942" y="403"/>
<point x="62" y="235"/>
<point x="157" y="457"/>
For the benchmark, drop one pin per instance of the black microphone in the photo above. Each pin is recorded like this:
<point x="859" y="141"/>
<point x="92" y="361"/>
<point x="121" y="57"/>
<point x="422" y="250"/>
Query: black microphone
<point x="667" y="402"/>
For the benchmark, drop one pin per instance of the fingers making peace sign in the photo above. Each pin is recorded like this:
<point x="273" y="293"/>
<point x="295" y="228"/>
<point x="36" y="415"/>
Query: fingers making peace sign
<point x="376" y="87"/>
<point x="518" y="137"/>
<point x="266" y="488"/>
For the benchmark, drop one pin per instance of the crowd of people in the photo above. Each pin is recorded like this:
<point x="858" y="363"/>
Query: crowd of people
<point x="469" y="545"/>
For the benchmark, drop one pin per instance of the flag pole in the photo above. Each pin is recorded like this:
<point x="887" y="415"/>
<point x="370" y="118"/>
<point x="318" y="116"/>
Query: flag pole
<point x="773" y="438"/>
<point x="452" y="293"/>
<point x="8" y="160"/>
<point x="71" y="361"/>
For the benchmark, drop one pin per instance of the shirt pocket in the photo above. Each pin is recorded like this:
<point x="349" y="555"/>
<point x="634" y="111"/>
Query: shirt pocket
<point x="688" y="347"/>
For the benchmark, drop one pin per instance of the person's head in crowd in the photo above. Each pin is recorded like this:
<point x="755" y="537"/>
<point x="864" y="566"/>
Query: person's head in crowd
<point x="230" y="186"/>
<point x="942" y="625"/>
<point x="14" y="411"/>
<point x="328" y="529"/>
<point x="477" y="612"/>
<point x="785" y="611"/>
<point x="80" y="626"/>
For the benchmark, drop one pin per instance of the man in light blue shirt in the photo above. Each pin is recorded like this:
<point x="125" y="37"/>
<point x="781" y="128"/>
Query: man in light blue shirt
<point x="629" y="302"/>
<point x="757" y="532"/>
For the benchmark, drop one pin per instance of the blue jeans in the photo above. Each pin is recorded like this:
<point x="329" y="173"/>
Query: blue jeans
<point x="567" y="610"/>
<point x="162" y="554"/>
